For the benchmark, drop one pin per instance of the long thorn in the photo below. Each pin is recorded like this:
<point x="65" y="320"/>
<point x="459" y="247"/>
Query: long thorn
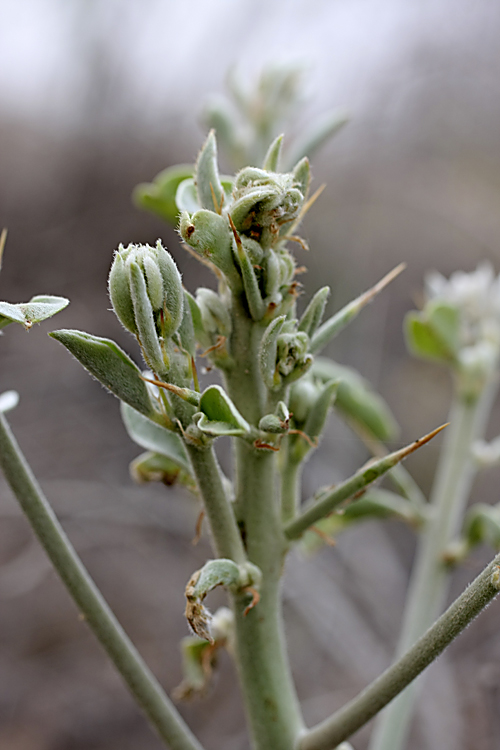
<point x="310" y="202"/>
<point x="333" y="497"/>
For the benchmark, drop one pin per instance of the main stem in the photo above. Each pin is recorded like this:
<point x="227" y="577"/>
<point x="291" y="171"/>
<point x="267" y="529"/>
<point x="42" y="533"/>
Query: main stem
<point x="429" y="581"/>
<point x="291" y="475"/>
<point x="270" y="698"/>
<point x="89" y="600"/>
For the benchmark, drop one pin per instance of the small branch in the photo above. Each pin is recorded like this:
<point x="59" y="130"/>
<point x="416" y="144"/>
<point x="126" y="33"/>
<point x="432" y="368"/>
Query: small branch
<point x="337" y="322"/>
<point x="140" y="680"/>
<point x="330" y="499"/>
<point x="430" y="575"/>
<point x="400" y="477"/>
<point x="225" y="533"/>
<point x="369" y="702"/>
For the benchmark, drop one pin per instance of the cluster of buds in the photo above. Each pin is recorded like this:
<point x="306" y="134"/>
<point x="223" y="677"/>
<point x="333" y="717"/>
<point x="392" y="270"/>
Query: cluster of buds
<point x="240" y="227"/>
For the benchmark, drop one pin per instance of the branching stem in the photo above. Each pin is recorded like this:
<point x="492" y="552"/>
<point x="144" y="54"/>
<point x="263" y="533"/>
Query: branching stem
<point x="356" y="713"/>
<point x="271" y="702"/>
<point x="429" y="581"/>
<point x="96" y="612"/>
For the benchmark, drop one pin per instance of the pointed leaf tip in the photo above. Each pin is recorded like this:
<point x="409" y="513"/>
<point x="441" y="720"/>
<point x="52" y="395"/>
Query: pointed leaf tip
<point x="340" y="319"/>
<point x="109" y="364"/>
<point x="207" y="179"/>
<point x="399" y="455"/>
<point x="272" y="158"/>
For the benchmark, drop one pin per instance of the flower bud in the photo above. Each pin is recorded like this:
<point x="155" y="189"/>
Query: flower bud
<point x="146" y="293"/>
<point x="210" y="235"/>
<point x="214" y="313"/>
<point x="264" y="203"/>
<point x="277" y="423"/>
<point x="292" y="351"/>
<point x="303" y="396"/>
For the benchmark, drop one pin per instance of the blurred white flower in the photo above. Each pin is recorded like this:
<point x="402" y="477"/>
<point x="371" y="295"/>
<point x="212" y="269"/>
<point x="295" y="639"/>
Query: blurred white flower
<point x="487" y="454"/>
<point x="477" y="296"/>
<point x="8" y="400"/>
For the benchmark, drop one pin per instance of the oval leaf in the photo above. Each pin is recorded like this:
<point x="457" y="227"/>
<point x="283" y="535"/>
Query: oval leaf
<point x="111" y="366"/>
<point x="158" y="196"/>
<point x="356" y="400"/>
<point x="39" y="308"/>
<point x="219" y="414"/>
<point x="153" y="437"/>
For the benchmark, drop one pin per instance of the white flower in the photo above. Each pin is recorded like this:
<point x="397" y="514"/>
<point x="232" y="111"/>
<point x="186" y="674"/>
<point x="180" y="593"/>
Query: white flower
<point x="8" y="400"/>
<point x="477" y="296"/>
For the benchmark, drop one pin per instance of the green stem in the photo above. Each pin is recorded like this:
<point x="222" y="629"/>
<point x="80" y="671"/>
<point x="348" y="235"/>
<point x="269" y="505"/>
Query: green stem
<point x="265" y="676"/>
<point x="137" y="676"/>
<point x="429" y="581"/>
<point x="221" y="518"/>
<point x="329" y="499"/>
<point x="356" y="713"/>
<point x="269" y="693"/>
<point x="291" y="474"/>
<point x="225" y="533"/>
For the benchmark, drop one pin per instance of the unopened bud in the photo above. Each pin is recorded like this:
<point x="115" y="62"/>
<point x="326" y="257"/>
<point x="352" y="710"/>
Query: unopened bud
<point x="210" y="235"/>
<point x="303" y="396"/>
<point x="292" y="350"/>
<point x="145" y="288"/>
<point x="264" y="203"/>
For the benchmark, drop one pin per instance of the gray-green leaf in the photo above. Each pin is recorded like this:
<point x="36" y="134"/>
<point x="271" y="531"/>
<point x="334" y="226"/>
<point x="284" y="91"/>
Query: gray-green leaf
<point x="219" y="414"/>
<point x="39" y="308"/>
<point x="153" y="437"/>
<point x="111" y="366"/>
<point x="356" y="400"/>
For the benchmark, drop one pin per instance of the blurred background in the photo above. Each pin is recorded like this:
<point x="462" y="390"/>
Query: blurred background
<point x="99" y="95"/>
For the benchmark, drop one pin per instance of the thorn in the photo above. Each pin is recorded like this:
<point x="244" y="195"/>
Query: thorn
<point x="255" y="599"/>
<point x="194" y="373"/>
<point x="218" y="209"/>
<point x="298" y="240"/>
<point x="236" y="235"/>
<point x="198" y="528"/>
<point x="358" y="495"/>
<point x="221" y="340"/>
<point x="309" y="203"/>
<point x="187" y="438"/>
<point x="312" y="443"/>
<point x="3" y="240"/>
<point x="168" y="386"/>
<point x="203" y="260"/>
<point x="418" y="443"/>
<point x="323" y="536"/>
<point x="266" y="446"/>
<point x="367" y="297"/>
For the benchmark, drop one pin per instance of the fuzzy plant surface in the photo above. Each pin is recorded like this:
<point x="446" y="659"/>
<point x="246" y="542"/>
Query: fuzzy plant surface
<point x="273" y="405"/>
<point x="271" y="400"/>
